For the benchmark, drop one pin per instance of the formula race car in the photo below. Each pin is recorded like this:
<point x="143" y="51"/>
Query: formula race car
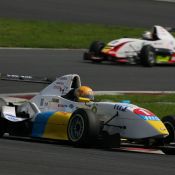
<point x="56" y="113"/>
<point x="155" y="47"/>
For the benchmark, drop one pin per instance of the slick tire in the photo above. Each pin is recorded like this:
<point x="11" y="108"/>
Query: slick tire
<point x="83" y="127"/>
<point x="169" y="122"/>
<point x="96" y="47"/>
<point x="147" y="56"/>
<point x="95" y="50"/>
<point x="2" y="127"/>
<point x="2" y="120"/>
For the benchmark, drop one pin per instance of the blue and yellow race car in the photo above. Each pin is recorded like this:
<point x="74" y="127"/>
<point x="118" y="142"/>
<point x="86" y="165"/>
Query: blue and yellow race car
<point x="66" y="110"/>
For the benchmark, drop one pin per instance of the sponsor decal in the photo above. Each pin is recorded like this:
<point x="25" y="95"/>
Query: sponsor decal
<point x="155" y="118"/>
<point x="56" y="100"/>
<point x="46" y="104"/>
<point x="62" y="106"/>
<point x="120" y="108"/>
<point x="57" y="87"/>
<point x="12" y="118"/>
<point x="145" y="114"/>
<point x="141" y="111"/>
<point x="42" y="102"/>
<point x="60" y="88"/>
<point x="60" y="83"/>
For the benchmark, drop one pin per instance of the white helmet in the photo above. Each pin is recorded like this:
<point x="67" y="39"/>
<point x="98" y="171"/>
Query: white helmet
<point x="147" y="35"/>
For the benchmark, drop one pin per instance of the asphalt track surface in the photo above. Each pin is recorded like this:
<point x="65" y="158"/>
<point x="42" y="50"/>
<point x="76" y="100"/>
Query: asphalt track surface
<point x="25" y="157"/>
<point x="118" y="12"/>
<point x="101" y="77"/>
<point x="22" y="157"/>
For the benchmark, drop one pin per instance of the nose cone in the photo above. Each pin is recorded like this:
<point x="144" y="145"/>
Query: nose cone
<point x="158" y="126"/>
<point x="153" y="121"/>
<point x="106" y="49"/>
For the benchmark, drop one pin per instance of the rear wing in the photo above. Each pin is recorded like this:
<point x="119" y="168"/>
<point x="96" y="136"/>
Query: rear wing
<point x="25" y="78"/>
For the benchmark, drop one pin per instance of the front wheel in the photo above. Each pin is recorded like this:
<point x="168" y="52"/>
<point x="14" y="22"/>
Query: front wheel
<point x="95" y="51"/>
<point x="83" y="127"/>
<point x="2" y="126"/>
<point x="147" y="56"/>
<point x="169" y="122"/>
<point x="96" y="47"/>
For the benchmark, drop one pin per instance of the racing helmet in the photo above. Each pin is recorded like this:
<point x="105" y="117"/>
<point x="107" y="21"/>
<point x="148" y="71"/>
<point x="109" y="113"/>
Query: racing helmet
<point x="147" y="35"/>
<point x="84" y="92"/>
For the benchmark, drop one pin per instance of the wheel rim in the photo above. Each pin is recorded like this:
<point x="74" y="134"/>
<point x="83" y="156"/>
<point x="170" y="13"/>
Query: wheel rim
<point x="170" y="128"/>
<point x="76" y="128"/>
<point x="151" y="57"/>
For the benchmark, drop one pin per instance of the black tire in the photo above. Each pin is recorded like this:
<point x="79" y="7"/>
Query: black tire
<point x="2" y="120"/>
<point x="2" y="126"/>
<point x="96" y="47"/>
<point x="95" y="50"/>
<point x="147" y="56"/>
<point x="169" y="122"/>
<point x="83" y="127"/>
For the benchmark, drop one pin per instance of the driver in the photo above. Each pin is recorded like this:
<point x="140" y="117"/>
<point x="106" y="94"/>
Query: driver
<point x="147" y="35"/>
<point x="84" y="92"/>
<point x="150" y="35"/>
<point x="80" y="92"/>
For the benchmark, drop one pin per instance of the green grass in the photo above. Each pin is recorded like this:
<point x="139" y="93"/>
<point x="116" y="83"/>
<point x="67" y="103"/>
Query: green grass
<point x="161" y="105"/>
<point x="43" y="34"/>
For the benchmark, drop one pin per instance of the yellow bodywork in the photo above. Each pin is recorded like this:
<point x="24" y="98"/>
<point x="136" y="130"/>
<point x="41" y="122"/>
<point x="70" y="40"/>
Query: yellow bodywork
<point x="56" y="127"/>
<point x="106" y="49"/>
<point x="158" y="126"/>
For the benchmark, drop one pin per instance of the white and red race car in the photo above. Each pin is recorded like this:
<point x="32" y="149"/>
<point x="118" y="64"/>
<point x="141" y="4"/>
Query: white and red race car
<point x="155" y="47"/>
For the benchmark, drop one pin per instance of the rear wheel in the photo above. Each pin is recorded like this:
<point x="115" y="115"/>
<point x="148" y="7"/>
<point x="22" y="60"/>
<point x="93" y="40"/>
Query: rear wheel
<point x="83" y="127"/>
<point x="2" y="120"/>
<point x="147" y="56"/>
<point x="169" y="122"/>
<point x="2" y="127"/>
